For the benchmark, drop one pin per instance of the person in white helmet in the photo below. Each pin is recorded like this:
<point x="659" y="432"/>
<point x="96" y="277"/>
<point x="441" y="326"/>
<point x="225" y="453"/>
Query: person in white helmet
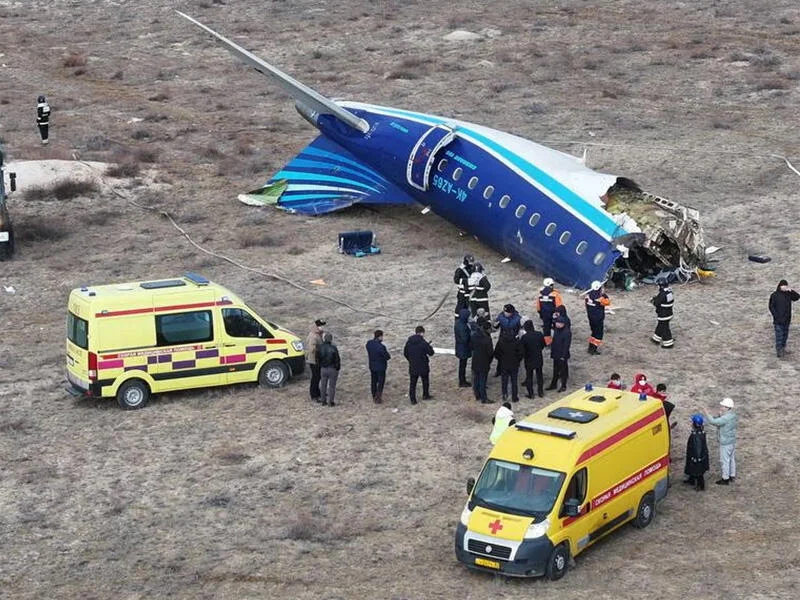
<point x="726" y="435"/>
<point x="596" y="301"/>
<point x="547" y="302"/>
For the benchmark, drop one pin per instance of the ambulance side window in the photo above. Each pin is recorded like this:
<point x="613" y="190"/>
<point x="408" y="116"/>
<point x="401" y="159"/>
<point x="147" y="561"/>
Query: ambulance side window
<point x="240" y="323"/>
<point x="576" y="489"/>
<point x="184" y="328"/>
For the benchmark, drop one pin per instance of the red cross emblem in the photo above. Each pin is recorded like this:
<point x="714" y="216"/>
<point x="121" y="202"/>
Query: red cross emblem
<point x="495" y="526"/>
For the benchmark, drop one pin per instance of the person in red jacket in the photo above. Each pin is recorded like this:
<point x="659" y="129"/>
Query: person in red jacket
<point x="615" y="383"/>
<point x="641" y="385"/>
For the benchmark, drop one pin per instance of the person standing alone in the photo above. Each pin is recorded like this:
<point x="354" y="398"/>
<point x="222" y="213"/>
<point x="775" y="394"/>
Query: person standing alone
<point x="43" y="119"/>
<point x="313" y="342"/>
<point x="780" y="306"/>
<point x="559" y="351"/>
<point x="417" y="350"/>
<point x="596" y="302"/>
<point x="329" y="367"/>
<point x="663" y="301"/>
<point x="378" y="357"/>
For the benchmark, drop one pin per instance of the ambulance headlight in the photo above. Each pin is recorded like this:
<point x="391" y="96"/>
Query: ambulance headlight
<point x="537" y="530"/>
<point x="297" y="345"/>
<point x="465" y="515"/>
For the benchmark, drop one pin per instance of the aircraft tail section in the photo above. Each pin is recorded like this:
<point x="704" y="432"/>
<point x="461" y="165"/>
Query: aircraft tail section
<point x="324" y="177"/>
<point x="302" y="94"/>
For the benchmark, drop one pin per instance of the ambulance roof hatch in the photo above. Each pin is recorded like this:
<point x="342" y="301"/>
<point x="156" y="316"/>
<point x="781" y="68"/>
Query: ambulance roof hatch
<point x="565" y="413"/>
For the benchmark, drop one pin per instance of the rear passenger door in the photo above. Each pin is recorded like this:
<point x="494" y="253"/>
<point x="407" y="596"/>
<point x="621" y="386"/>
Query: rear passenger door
<point x="244" y="343"/>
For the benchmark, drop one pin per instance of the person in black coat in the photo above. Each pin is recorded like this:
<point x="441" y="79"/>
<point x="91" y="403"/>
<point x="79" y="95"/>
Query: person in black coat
<point x="482" y="354"/>
<point x="559" y="351"/>
<point x="780" y="306"/>
<point x="508" y="353"/>
<point x="532" y="346"/>
<point x="378" y="357"/>
<point x="461" y="331"/>
<point x="329" y="366"/>
<point x="417" y="350"/>
<point x="696" y="455"/>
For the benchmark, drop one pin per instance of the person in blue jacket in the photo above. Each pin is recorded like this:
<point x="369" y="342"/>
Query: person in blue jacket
<point x="378" y="357"/>
<point x="559" y="350"/>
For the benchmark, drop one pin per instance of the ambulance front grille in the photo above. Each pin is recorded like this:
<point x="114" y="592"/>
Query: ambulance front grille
<point x="485" y="549"/>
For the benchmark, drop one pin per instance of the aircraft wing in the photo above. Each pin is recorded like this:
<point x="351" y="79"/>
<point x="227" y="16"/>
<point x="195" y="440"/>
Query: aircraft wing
<point x="301" y="93"/>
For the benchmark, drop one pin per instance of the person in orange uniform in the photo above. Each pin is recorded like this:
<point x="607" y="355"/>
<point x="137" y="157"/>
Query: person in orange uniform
<point x="596" y="301"/>
<point x="548" y="301"/>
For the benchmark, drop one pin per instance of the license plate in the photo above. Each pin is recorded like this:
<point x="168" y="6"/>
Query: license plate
<point x="485" y="562"/>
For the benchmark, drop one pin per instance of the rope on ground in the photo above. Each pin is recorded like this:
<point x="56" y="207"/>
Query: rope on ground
<point x="244" y="267"/>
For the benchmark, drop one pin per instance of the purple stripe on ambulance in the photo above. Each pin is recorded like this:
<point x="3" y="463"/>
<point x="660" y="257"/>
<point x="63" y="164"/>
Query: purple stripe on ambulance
<point x="255" y="348"/>
<point x="206" y="353"/>
<point x="183" y="364"/>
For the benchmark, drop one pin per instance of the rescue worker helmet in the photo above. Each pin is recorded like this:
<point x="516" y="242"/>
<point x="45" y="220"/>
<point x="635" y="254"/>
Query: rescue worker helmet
<point x="697" y="421"/>
<point x="41" y="99"/>
<point x="479" y="267"/>
<point x="662" y="282"/>
<point x="547" y="282"/>
<point x="596" y="285"/>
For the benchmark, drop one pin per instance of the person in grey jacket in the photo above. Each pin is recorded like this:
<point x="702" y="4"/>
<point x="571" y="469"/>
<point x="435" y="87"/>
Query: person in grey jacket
<point x="726" y="434"/>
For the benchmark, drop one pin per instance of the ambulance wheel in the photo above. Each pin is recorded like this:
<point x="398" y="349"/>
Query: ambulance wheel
<point x="646" y="511"/>
<point x="133" y="394"/>
<point x="558" y="563"/>
<point x="273" y="374"/>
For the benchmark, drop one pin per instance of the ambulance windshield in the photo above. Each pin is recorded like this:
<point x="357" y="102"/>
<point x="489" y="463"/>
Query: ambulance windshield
<point x="517" y="489"/>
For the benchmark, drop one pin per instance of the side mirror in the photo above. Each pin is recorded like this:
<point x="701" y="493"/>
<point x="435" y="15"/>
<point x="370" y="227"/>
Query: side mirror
<point x="470" y="485"/>
<point x="572" y="507"/>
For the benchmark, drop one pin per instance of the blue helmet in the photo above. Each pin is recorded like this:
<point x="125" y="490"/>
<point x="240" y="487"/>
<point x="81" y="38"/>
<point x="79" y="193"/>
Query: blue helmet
<point x="697" y="420"/>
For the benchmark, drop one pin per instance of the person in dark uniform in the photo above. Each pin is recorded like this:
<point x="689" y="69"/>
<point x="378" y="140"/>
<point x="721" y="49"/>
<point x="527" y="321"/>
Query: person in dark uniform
<point x="508" y="353"/>
<point x="663" y="301"/>
<point x="696" y="455"/>
<point x="329" y="367"/>
<point x="532" y="346"/>
<point x="417" y="350"/>
<point x="596" y="301"/>
<point x="780" y="307"/>
<point x="547" y="302"/>
<point x="559" y="350"/>
<point x="462" y="334"/>
<point x="479" y="287"/>
<point x="461" y="279"/>
<point x="482" y="352"/>
<point x="378" y="357"/>
<point x="43" y="119"/>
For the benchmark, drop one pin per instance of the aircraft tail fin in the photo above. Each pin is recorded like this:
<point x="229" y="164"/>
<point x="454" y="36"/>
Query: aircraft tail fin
<point x="324" y="177"/>
<point x="301" y="93"/>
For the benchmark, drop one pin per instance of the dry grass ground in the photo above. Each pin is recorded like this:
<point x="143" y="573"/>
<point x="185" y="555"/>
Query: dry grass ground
<point x="244" y="493"/>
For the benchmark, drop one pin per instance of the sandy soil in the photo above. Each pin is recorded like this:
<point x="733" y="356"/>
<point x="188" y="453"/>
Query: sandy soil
<point x="245" y="493"/>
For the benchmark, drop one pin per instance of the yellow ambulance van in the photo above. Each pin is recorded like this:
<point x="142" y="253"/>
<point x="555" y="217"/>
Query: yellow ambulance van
<point x="561" y="479"/>
<point x="132" y="340"/>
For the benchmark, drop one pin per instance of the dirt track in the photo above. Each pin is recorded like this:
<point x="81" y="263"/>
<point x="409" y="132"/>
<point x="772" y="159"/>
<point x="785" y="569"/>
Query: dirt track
<point x="243" y="493"/>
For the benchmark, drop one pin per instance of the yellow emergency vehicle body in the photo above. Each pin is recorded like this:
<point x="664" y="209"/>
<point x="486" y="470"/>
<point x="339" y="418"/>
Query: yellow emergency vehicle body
<point x="562" y="478"/>
<point x="132" y="340"/>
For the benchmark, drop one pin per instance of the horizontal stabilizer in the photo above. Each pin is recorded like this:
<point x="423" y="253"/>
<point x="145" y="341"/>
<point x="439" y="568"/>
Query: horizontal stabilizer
<point x="301" y="93"/>
<point x="324" y="178"/>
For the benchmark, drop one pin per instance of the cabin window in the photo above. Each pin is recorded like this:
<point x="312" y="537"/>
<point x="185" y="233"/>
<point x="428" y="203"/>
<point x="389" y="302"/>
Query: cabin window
<point x="487" y="193"/>
<point x="504" y="201"/>
<point x="550" y="229"/>
<point x="534" y="219"/>
<point x="564" y="238"/>
<point x="184" y="328"/>
<point x="581" y="247"/>
<point x="472" y="183"/>
<point x="442" y="165"/>
<point x="599" y="257"/>
<point x="457" y="173"/>
<point x="520" y="211"/>
<point x="576" y="490"/>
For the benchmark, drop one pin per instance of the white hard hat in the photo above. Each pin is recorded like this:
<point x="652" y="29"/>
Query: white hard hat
<point x="547" y="282"/>
<point x="727" y="403"/>
<point x="596" y="285"/>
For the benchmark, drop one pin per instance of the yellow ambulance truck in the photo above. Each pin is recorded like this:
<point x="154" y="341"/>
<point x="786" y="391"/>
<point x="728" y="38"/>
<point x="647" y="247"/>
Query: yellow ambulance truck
<point x="132" y="340"/>
<point x="561" y="479"/>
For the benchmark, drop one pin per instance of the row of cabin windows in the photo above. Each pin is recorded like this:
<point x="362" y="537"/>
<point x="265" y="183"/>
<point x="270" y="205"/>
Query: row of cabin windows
<point x="505" y="200"/>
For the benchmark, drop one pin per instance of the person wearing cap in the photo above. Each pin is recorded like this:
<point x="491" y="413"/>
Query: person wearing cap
<point x="502" y="420"/>
<point x="508" y="353"/>
<point x="596" y="301"/>
<point x="417" y="350"/>
<point x="329" y="366"/>
<point x="663" y="301"/>
<point x="696" y="464"/>
<point x="508" y="322"/>
<point x="726" y="424"/>
<point x="532" y="346"/>
<point x="313" y="342"/>
<point x="482" y="352"/>
<point x="547" y="302"/>
<point x="780" y="306"/>
<point x="479" y="287"/>
<point x="461" y="279"/>
<point x="43" y="119"/>
<point x="559" y="349"/>
<point x="378" y="357"/>
<point x="462" y="335"/>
